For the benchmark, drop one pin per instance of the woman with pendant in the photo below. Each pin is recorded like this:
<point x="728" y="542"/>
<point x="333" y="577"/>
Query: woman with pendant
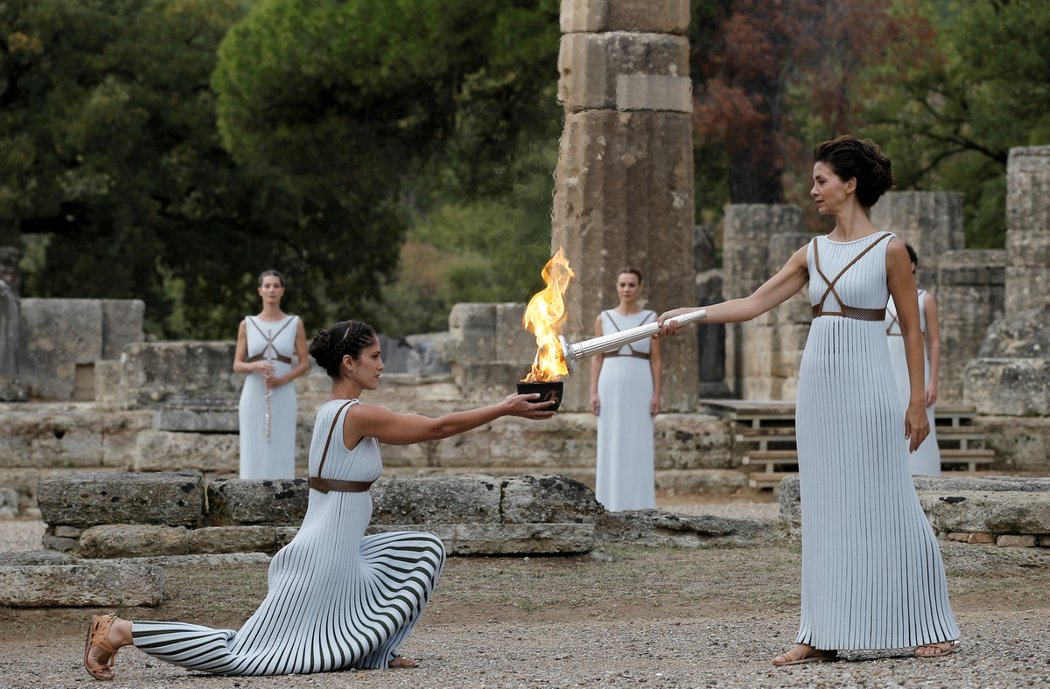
<point x="265" y="345"/>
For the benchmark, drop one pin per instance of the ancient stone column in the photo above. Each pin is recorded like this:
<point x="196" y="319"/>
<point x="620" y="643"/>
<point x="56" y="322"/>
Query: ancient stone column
<point x="624" y="181"/>
<point x="756" y="242"/>
<point x="1027" y="230"/>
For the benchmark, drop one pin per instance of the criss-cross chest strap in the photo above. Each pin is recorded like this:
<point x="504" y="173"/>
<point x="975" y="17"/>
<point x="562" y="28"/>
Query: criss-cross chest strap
<point x="845" y="310"/>
<point x="270" y="341"/>
<point x="633" y="352"/>
<point x="325" y="485"/>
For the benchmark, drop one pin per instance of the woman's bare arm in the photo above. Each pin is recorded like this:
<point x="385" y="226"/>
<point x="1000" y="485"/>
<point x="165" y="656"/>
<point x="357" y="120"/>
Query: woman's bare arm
<point x="901" y="283"/>
<point x="404" y="429"/>
<point x="772" y="293"/>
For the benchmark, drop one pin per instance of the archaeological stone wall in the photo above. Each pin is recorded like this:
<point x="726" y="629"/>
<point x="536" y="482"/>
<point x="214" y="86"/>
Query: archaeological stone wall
<point x="1009" y="379"/>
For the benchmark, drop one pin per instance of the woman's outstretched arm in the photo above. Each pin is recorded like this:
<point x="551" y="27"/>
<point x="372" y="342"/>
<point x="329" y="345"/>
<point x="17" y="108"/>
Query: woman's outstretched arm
<point x="773" y="292"/>
<point x="367" y="420"/>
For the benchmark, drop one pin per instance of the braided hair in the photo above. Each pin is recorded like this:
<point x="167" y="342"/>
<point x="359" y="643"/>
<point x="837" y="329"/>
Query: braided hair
<point x="331" y="344"/>
<point x="851" y="157"/>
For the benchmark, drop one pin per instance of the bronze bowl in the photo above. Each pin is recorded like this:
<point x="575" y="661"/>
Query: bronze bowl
<point x="548" y="391"/>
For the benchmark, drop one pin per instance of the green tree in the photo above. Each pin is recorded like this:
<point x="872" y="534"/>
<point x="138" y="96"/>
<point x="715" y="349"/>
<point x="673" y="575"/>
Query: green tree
<point x="113" y="174"/>
<point x="417" y="106"/>
<point x="980" y="89"/>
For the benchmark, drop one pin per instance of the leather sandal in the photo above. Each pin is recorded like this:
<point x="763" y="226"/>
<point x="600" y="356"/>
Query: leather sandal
<point x="98" y="635"/>
<point x="809" y="655"/>
<point x="938" y="650"/>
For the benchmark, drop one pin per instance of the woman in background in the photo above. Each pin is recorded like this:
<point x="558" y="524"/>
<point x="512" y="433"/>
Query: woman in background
<point x="267" y="411"/>
<point x="625" y="396"/>
<point x="926" y="460"/>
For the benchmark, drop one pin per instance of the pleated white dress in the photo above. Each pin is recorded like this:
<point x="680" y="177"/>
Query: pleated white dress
<point x="337" y="599"/>
<point x="624" y="476"/>
<point x="872" y="575"/>
<point x="925" y="461"/>
<point x="268" y="455"/>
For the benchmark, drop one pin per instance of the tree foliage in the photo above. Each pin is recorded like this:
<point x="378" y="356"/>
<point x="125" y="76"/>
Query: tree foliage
<point x="768" y="74"/>
<point x="981" y="88"/>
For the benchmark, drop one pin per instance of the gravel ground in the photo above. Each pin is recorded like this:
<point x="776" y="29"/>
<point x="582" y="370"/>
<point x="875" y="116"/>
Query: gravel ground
<point x="624" y="617"/>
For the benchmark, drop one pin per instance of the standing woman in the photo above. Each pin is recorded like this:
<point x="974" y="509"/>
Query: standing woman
<point x="265" y="344"/>
<point x="926" y="461"/>
<point x="872" y="575"/>
<point x="625" y="396"/>
<point x="337" y="599"/>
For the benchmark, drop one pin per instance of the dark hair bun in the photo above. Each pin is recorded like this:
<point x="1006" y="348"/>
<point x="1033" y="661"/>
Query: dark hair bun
<point x="861" y="159"/>
<point x="331" y="344"/>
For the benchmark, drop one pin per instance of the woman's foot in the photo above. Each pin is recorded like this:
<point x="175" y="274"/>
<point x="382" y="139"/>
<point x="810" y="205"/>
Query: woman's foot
<point x="804" y="653"/>
<point x="403" y="662"/>
<point x="107" y="634"/>
<point x="937" y="650"/>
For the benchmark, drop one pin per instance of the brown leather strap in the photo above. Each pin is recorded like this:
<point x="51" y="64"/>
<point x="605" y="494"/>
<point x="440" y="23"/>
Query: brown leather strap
<point x="279" y="357"/>
<point x="855" y="312"/>
<point x="328" y="441"/>
<point x="632" y="353"/>
<point x="845" y="311"/>
<point x="325" y="485"/>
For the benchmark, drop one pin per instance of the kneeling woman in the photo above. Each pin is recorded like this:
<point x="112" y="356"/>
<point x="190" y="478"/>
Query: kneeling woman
<point x="337" y="599"/>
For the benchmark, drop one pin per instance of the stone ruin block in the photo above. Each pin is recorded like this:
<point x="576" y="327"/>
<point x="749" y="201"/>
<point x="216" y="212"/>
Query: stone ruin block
<point x="103" y="585"/>
<point x="204" y="452"/>
<point x="975" y="505"/>
<point x="150" y="540"/>
<point x="89" y="499"/>
<point x="546" y="499"/>
<point x="656" y="16"/>
<point x="58" y="338"/>
<point x="158" y="372"/>
<point x="998" y="512"/>
<point x="463" y="499"/>
<point x="257" y="501"/>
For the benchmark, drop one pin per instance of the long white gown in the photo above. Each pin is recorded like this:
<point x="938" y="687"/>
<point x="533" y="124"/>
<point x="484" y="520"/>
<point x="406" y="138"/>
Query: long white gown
<point x="925" y="461"/>
<point x="624" y="478"/>
<point x="272" y="456"/>
<point x="337" y="599"/>
<point x="872" y="575"/>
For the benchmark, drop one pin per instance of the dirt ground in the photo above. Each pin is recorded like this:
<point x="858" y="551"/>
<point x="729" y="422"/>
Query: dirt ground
<point x="623" y="616"/>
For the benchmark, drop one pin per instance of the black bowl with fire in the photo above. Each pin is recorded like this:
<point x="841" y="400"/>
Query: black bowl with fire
<point x="548" y="390"/>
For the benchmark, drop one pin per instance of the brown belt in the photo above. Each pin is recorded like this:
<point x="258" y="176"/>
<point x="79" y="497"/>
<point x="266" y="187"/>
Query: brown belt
<point x="279" y="357"/>
<point x="637" y="355"/>
<point x="853" y="312"/>
<point x="325" y="485"/>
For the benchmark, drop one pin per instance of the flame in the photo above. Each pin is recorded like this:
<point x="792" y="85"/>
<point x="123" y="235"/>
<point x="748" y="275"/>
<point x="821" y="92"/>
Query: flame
<point x="544" y="317"/>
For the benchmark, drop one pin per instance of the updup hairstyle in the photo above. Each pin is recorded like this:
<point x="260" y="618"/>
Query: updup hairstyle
<point x="331" y="344"/>
<point x="851" y="157"/>
<point x="266" y="273"/>
<point x="632" y="270"/>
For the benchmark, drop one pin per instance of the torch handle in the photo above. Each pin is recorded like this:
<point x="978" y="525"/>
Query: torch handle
<point x="613" y="341"/>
